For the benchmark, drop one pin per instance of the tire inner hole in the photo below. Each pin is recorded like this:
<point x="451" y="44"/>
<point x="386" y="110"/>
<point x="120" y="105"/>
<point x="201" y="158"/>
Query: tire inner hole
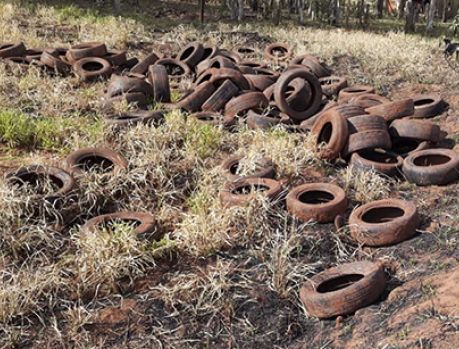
<point x="279" y="51"/>
<point x="112" y="225"/>
<point x="174" y="69"/>
<point x="95" y="163"/>
<point x="338" y="283"/>
<point x="431" y="160"/>
<point x="187" y="53"/>
<point x="316" y="197"/>
<point x="382" y="214"/>
<point x="422" y="102"/>
<point x="249" y="188"/>
<point x="39" y="182"/>
<point x="405" y="145"/>
<point x="381" y="157"/>
<point x="92" y="66"/>
<point x="326" y="133"/>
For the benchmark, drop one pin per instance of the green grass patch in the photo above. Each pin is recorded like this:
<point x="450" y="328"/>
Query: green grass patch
<point x="20" y="130"/>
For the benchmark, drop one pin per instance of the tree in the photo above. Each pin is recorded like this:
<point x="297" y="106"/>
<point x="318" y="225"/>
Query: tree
<point x="117" y="5"/>
<point x="380" y="7"/>
<point x="401" y="8"/>
<point x="431" y="15"/>
<point x="410" y="17"/>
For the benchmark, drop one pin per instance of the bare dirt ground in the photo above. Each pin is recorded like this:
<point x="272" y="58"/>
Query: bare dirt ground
<point x="220" y="278"/>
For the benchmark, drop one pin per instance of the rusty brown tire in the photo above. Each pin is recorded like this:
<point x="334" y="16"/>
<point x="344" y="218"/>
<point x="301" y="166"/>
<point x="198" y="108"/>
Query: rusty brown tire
<point x="159" y="79"/>
<point x="240" y="105"/>
<point x="230" y="167"/>
<point x="393" y="110"/>
<point x="143" y="223"/>
<point x="367" y="132"/>
<point x="52" y="61"/>
<point x="215" y="62"/>
<point x="63" y="181"/>
<point x="32" y="55"/>
<point x="331" y="85"/>
<point x="222" y="74"/>
<point x="260" y="82"/>
<point x="319" y="202"/>
<point x="315" y="66"/>
<point x="281" y="87"/>
<point x="415" y="129"/>
<point x="119" y="85"/>
<point x="101" y="160"/>
<point x="191" y="54"/>
<point x="432" y="167"/>
<point x="142" y="66"/>
<point x="194" y="101"/>
<point x="264" y="121"/>
<point x="116" y="57"/>
<point x="330" y="134"/>
<point x="353" y="91"/>
<point x="247" y="51"/>
<point x="384" y="222"/>
<point x="378" y="160"/>
<point x="87" y="49"/>
<point x="175" y="69"/>
<point x="92" y="68"/>
<point x="324" y="106"/>
<point x="135" y="117"/>
<point x="343" y="289"/>
<point x="368" y="100"/>
<point x="12" y="50"/>
<point x="208" y="118"/>
<point x="233" y="56"/>
<point x="278" y="51"/>
<point x="209" y="52"/>
<point x="427" y="106"/>
<point x="218" y="100"/>
<point x="405" y="146"/>
<point x="245" y="190"/>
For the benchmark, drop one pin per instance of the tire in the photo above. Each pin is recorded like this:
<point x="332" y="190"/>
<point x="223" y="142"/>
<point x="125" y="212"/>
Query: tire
<point x="368" y="100"/>
<point x="427" y="106"/>
<point x="61" y="178"/>
<point x="367" y="132"/>
<point x="331" y="85"/>
<point x="393" y="110"/>
<point x="233" y="192"/>
<point x="34" y="55"/>
<point x="241" y="104"/>
<point x="432" y="167"/>
<point x="246" y="51"/>
<point x="384" y="222"/>
<point x="83" y="160"/>
<point x="233" y="56"/>
<point x="332" y="129"/>
<point x="217" y="101"/>
<point x="230" y="167"/>
<point x="280" y="89"/>
<point x="215" y="62"/>
<point x="135" y="117"/>
<point x="405" y="146"/>
<point x="119" y="85"/>
<point x="319" y="202"/>
<point x="260" y="82"/>
<point x="325" y="105"/>
<point x="191" y="54"/>
<point x="353" y="91"/>
<point x="146" y="228"/>
<point x="87" y="49"/>
<point x="12" y="50"/>
<point x="343" y="289"/>
<point x="256" y="121"/>
<point x="209" y="52"/>
<point x="116" y="57"/>
<point x="92" y="68"/>
<point x="55" y="63"/>
<point x="142" y="66"/>
<point x="173" y="66"/>
<point x="415" y="129"/>
<point x="222" y="74"/>
<point x="315" y="66"/>
<point x="379" y="160"/>
<point x="278" y="52"/>
<point x="193" y="102"/>
<point x="157" y="75"/>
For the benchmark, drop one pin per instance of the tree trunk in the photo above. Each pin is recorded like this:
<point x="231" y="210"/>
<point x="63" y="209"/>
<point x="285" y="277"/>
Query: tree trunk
<point x="431" y="15"/>
<point x="232" y="6"/>
<point x="301" y="10"/>
<point x="240" y="12"/>
<point x="277" y="12"/>
<point x="401" y="9"/>
<point x="117" y="5"/>
<point x="410" y="17"/>
<point x="380" y="8"/>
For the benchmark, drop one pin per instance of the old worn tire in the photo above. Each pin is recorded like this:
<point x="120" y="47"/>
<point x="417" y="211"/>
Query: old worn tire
<point x="393" y="110"/>
<point x="384" y="222"/>
<point x="142" y="66"/>
<point x="116" y="57"/>
<point x="230" y="167"/>
<point x="119" y="85"/>
<point x="405" y="146"/>
<point x="191" y="54"/>
<point x="239" y="105"/>
<point x="260" y="82"/>
<point x="415" y="129"/>
<point x="343" y="289"/>
<point x="83" y="160"/>
<point x="87" y="49"/>
<point x="53" y="62"/>
<point x="280" y="98"/>
<point x="175" y="69"/>
<point x="367" y="132"/>
<point x="194" y="101"/>
<point x="233" y="193"/>
<point x="278" y="51"/>
<point x="331" y="85"/>
<point x="214" y="62"/>
<point x="353" y="91"/>
<point x="332" y="129"/>
<point x="159" y="79"/>
<point x="427" y="106"/>
<point x="218" y="100"/>
<point x="379" y="160"/>
<point x="432" y="167"/>
<point x="92" y="68"/>
<point x="319" y="202"/>
<point x="12" y="50"/>
<point x="368" y="100"/>
<point x="146" y="227"/>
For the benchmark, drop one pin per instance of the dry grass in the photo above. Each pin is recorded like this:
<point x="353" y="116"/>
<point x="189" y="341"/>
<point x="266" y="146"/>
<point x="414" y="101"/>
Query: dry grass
<point x="233" y="263"/>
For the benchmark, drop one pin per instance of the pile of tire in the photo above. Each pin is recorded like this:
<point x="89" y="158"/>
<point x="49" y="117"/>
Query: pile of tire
<point x="90" y="61"/>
